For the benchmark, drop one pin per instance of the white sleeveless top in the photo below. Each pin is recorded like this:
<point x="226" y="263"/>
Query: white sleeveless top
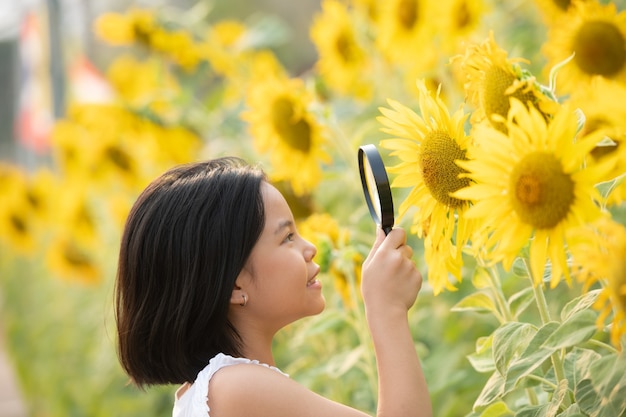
<point x="193" y="402"/>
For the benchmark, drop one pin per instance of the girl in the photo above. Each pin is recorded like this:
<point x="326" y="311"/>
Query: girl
<point x="211" y="267"/>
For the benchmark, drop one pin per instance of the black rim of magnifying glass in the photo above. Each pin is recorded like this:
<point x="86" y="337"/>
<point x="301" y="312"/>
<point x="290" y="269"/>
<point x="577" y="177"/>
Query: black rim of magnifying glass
<point x="382" y="183"/>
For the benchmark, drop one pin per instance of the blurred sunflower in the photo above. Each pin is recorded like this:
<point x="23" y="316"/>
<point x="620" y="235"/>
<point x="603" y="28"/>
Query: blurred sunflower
<point x="228" y="46"/>
<point x="603" y="110"/>
<point x="596" y="35"/>
<point x="460" y="20"/>
<point x="429" y="147"/>
<point x="404" y="32"/>
<point x="111" y="145"/>
<point x="335" y="254"/>
<point x="16" y="225"/>
<point x="282" y="124"/>
<point x="493" y="79"/>
<point x="343" y="62"/>
<point x="532" y="186"/>
<point x="553" y="10"/>
<point x="146" y="86"/>
<point x="599" y="255"/>
<point x="179" y="45"/>
<point x="368" y="8"/>
<point x="70" y="259"/>
<point x="136" y="25"/>
<point x="224" y="42"/>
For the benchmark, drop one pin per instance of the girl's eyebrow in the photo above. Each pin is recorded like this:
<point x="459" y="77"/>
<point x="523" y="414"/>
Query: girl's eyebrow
<point x="282" y="225"/>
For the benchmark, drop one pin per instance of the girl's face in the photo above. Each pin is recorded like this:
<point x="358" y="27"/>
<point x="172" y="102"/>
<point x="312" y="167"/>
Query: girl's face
<point x="280" y="275"/>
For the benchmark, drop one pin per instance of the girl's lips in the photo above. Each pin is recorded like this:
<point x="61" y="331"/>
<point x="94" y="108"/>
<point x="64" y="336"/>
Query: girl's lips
<point x="313" y="281"/>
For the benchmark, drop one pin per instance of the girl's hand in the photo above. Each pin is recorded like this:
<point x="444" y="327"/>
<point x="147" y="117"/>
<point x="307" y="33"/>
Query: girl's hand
<point x="390" y="279"/>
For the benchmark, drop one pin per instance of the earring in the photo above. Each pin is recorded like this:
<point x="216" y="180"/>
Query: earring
<point x="245" y="300"/>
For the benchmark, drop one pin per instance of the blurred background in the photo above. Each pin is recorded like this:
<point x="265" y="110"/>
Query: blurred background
<point x="49" y="55"/>
<point x="66" y="90"/>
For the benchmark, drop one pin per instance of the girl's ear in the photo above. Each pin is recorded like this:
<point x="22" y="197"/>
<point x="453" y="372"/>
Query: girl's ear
<point x="239" y="296"/>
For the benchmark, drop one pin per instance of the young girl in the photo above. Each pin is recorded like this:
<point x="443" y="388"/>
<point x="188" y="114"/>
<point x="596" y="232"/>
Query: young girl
<point x="211" y="266"/>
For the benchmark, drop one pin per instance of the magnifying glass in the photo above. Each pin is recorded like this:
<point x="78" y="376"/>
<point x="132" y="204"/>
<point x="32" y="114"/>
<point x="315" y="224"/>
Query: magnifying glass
<point x="376" y="187"/>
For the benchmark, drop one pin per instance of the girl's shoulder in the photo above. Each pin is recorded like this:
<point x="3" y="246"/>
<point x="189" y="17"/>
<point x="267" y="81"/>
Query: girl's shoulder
<point x="192" y="400"/>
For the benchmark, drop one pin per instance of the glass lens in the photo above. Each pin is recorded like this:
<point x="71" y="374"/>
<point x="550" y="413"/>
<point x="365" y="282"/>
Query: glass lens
<point x="372" y="189"/>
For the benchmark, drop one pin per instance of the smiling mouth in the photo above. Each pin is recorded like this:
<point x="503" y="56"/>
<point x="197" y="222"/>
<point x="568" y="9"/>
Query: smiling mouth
<point x="313" y="279"/>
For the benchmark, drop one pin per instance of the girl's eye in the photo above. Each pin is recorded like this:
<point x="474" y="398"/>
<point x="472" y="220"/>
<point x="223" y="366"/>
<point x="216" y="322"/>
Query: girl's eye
<point x="289" y="237"/>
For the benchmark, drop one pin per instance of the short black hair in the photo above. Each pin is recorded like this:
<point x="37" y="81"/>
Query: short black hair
<point x="186" y="239"/>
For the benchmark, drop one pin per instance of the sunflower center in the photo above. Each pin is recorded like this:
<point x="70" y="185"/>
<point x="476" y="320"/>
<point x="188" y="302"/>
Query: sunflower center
<point x="119" y="158"/>
<point x="600" y="49"/>
<point x="439" y="170"/>
<point x="494" y="99"/>
<point x="18" y="224"/>
<point x="75" y="256"/>
<point x="346" y="48"/>
<point x="295" y="131"/>
<point x="542" y="193"/>
<point x="562" y="4"/>
<point x="462" y="15"/>
<point x="407" y="13"/>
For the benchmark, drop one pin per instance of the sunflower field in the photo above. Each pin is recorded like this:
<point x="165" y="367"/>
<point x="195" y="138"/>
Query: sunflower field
<point x="503" y="128"/>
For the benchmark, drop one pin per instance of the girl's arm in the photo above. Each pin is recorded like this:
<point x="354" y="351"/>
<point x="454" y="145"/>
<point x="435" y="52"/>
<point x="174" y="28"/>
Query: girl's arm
<point x="390" y="284"/>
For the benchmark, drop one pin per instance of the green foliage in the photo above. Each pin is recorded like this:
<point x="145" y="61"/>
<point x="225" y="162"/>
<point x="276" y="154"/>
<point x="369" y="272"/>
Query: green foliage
<point x="565" y="361"/>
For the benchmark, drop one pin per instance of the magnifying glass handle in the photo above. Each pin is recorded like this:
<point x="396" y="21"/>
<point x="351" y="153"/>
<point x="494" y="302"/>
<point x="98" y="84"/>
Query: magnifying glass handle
<point x="387" y="229"/>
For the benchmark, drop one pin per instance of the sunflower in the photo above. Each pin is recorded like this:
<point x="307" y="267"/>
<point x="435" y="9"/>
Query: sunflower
<point x="368" y="8"/>
<point x="342" y="62"/>
<point x="404" y="33"/>
<point x="137" y="25"/>
<point x="595" y="35"/>
<point x="282" y="124"/>
<point x="336" y="255"/>
<point x="532" y="186"/>
<point x="493" y="79"/>
<point x="602" y="107"/>
<point x="146" y="86"/>
<point x="601" y="257"/>
<point x="16" y="224"/>
<point x="553" y="10"/>
<point x="460" y="20"/>
<point x="71" y="260"/>
<point x="429" y="147"/>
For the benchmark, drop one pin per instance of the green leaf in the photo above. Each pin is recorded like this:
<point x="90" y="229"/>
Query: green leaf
<point x="497" y="409"/>
<point x="533" y="411"/>
<point x="577" y="364"/>
<point x="520" y="301"/>
<point x="572" y="411"/>
<point x="603" y="392"/>
<point x="583" y="302"/>
<point x="586" y="397"/>
<point x="578" y="328"/>
<point x="509" y="341"/>
<point x="532" y="358"/>
<point x="493" y="390"/>
<point x="482" y="359"/>
<point x="546" y="410"/>
<point x="481" y="279"/>
<point x="478" y="301"/>
<point x="608" y="376"/>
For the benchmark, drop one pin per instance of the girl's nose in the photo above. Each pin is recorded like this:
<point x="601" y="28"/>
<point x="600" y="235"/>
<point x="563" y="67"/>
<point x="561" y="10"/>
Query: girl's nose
<point x="309" y="251"/>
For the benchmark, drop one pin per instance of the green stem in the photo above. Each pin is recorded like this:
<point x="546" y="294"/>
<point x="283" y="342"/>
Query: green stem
<point x="532" y="396"/>
<point x="544" y="313"/>
<point x="503" y="305"/>
<point x="543" y="381"/>
<point x="603" y="345"/>
<point x="362" y="330"/>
